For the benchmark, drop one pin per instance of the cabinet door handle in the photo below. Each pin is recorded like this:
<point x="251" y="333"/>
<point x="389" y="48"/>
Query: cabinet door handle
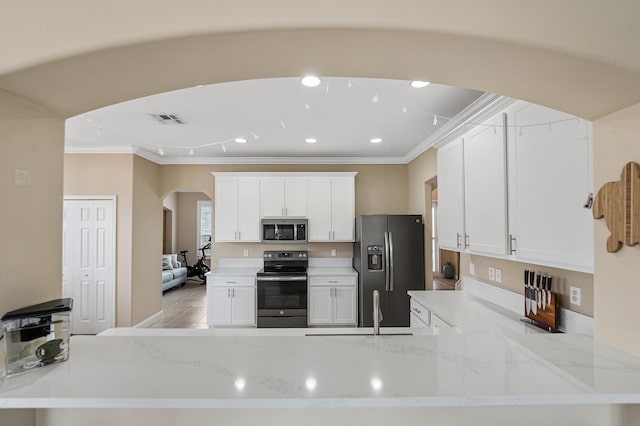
<point x="466" y="241"/>
<point x="512" y="244"/>
<point x="233" y="292"/>
<point x="334" y="235"/>
<point x="239" y="235"/>
<point x="418" y="311"/>
<point x="329" y="234"/>
<point x="232" y="282"/>
<point x="228" y="292"/>
<point x="333" y="282"/>
<point x="457" y="239"/>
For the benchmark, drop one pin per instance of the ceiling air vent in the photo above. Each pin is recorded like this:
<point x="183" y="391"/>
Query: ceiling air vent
<point x="172" y="119"/>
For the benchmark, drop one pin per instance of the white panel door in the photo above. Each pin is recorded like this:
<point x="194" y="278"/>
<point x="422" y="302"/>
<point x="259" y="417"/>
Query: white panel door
<point x="218" y="305"/>
<point x="320" y="305"/>
<point x="272" y="190"/>
<point x="243" y="306"/>
<point x="89" y="230"/>
<point x="248" y="209"/>
<point x="295" y="190"/>
<point x="485" y="188"/>
<point x="451" y="196"/>
<point x="319" y="209"/>
<point x="226" y="208"/>
<point x="344" y="305"/>
<point x="343" y="208"/>
<point x="550" y="179"/>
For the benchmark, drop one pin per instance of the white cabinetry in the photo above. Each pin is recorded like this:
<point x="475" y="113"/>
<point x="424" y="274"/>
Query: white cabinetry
<point x="331" y="208"/>
<point x="231" y="301"/>
<point x="485" y="188"/>
<point x="333" y="300"/>
<point x="283" y="196"/>
<point x="422" y="317"/>
<point x="237" y="209"/>
<point x="519" y="195"/>
<point x="451" y="195"/>
<point x="550" y="178"/>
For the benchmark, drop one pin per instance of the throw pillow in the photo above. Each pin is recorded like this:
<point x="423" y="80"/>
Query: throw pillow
<point x="166" y="262"/>
<point x="174" y="261"/>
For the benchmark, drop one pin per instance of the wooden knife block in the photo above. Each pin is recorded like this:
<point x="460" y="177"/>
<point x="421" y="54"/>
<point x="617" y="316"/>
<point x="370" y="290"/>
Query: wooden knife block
<point x="547" y="317"/>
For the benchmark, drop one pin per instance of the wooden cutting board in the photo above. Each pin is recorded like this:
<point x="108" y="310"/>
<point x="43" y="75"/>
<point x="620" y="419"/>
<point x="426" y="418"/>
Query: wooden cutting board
<point x="619" y="204"/>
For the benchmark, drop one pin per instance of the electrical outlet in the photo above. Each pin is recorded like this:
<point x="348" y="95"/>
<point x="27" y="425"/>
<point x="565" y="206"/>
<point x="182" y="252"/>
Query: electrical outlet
<point x="492" y="273"/>
<point x="334" y="252"/>
<point x="472" y="268"/>
<point x="246" y="253"/>
<point x="575" y="295"/>
<point x="498" y="275"/>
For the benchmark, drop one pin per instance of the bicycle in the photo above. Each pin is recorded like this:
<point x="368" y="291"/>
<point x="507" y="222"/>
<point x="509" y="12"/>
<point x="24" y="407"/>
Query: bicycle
<point x="200" y="268"/>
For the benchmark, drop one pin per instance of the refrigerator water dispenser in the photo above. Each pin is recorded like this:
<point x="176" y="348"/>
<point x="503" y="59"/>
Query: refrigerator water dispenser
<point x="374" y="257"/>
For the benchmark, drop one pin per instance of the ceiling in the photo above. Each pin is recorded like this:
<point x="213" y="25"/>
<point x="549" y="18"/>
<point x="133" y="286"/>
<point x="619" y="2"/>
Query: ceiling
<point x="275" y="116"/>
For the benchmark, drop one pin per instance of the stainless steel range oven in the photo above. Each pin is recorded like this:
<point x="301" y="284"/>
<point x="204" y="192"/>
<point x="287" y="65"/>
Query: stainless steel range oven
<point x="282" y="289"/>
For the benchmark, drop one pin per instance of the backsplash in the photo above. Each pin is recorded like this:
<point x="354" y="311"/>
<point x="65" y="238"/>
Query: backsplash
<point x="513" y="279"/>
<point x="256" y="250"/>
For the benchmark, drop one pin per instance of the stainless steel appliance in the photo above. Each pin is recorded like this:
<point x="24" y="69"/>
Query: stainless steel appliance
<point x="282" y="289"/>
<point x="389" y="257"/>
<point x="284" y="230"/>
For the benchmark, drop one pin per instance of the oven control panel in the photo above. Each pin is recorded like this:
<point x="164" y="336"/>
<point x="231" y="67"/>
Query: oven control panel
<point x="286" y="255"/>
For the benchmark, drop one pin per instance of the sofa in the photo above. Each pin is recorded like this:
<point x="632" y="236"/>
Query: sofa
<point x="173" y="273"/>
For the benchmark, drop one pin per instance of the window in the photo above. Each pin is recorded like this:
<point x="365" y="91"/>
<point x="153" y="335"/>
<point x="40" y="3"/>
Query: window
<point x="204" y="225"/>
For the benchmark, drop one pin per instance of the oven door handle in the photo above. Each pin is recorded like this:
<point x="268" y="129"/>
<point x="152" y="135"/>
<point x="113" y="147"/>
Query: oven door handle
<point x="282" y="278"/>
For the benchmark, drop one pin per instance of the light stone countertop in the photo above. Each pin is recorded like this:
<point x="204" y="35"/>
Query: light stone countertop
<point x="248" y="272"/>
<point x="471" y="314"/>
<point x="312" y="272"/>
<point x="186" y="371"/>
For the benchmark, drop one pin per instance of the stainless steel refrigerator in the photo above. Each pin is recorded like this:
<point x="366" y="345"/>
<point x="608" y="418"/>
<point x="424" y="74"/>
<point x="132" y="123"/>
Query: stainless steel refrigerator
<point x="389" y="257"/>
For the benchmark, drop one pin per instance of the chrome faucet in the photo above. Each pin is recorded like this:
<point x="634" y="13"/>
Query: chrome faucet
<point x="377" y="313"/>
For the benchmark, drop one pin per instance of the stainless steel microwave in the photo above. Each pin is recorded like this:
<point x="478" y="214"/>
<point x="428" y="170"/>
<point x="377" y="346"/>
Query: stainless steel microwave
<point x="284" y="230"/>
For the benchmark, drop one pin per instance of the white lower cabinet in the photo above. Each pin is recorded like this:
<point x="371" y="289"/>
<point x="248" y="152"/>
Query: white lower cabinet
<point x="231" y="301"/>
<point x="422" y="317"/>
<point x="333" y="301"/>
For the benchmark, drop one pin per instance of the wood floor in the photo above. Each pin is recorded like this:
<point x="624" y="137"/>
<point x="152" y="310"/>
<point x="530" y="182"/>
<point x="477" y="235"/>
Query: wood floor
<point x="186" y="307"/>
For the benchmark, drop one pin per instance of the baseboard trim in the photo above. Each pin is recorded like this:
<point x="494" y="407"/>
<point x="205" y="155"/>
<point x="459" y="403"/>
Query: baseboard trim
<point x="570" y="321"/>
<point x="153" y="318"/>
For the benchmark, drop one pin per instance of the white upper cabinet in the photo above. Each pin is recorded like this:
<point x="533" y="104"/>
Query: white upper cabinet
<point x="283" y="196"/>
<point x="550" y="179"/>
<point x="237" y="209"/>
<point x="331" y="208"/>
<point x="521" y="196"/>
<point x="485" y="187"/>
<point x="327" y="200"/>
<point x="451" y="196"/>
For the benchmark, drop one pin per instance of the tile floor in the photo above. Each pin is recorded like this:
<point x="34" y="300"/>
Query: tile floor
<point x="186" y="307"/>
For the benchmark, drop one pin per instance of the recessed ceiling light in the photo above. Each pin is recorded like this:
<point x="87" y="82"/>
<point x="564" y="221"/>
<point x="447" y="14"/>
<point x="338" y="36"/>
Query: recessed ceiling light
<point x="376" y="140"/>
<point x="419" y="84"/>
<point x="311" y="140"/>
<point x="240" y="140"/>
<point x="310" y="81"/>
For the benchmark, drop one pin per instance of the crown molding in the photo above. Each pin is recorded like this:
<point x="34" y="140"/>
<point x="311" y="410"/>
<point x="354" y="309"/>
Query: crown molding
<point x="483" y="107"/>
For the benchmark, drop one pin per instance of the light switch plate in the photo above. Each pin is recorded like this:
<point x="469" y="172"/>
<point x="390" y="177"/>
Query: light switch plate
<point x="472" y="268"/>
<point x="334" y="252"/>
<point x="246" y="253"/>
<point x="498" y="275"/>
<point x="492" y="273"/>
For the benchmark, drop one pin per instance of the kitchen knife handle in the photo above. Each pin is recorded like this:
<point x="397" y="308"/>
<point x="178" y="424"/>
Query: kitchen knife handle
<point x="549" y="283"/>
<point x="531" y="275"/>
<point x="538" y="278"/>
<point x="526" y="277"/>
